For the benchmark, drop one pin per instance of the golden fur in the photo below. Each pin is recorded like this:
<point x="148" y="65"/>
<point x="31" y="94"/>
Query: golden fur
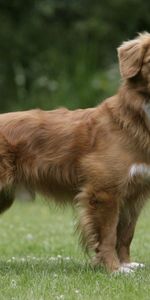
<point x="86" y="155"/>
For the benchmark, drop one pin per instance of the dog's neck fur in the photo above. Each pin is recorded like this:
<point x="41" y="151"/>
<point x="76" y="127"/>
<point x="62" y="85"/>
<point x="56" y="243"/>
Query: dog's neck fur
<point x="133" y="103"/>
<point x="138" y="97"/>
<point x="138" y="85"/>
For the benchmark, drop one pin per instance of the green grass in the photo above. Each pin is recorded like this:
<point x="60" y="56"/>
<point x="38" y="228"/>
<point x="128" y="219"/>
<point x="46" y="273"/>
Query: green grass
<point x="41" y="259"/>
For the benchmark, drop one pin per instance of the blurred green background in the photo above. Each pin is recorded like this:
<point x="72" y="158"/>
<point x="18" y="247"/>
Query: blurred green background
<point x="63" y="52"/>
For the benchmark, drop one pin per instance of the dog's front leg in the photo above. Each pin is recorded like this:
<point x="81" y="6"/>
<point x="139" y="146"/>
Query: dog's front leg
<point x="107" y="211"/>
<point x="98" y="224"/>
<point x="125" y="233"/>
<point x="124" y="239"/>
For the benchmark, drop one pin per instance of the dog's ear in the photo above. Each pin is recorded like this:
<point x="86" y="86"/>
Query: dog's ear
<point x="130" y="58"/>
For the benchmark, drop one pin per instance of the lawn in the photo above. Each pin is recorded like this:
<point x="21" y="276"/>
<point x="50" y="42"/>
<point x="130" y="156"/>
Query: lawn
<point x="41" y="259"/>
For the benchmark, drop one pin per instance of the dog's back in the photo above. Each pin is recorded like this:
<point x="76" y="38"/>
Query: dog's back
<point x="47" y="146"/>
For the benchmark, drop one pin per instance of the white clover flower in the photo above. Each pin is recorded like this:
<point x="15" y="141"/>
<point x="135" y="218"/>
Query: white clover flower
<point x="52" y="258"/>
<point x="13" y="283"/>
<point x="13" y="258"/>
<point x="60" y="297"/>
<point x="67" y="258"/>
<point x="23" y="259"/>
<point x="29" y="237"/>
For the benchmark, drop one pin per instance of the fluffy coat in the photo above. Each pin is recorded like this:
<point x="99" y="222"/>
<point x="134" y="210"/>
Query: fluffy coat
<point x="96" y="158"/>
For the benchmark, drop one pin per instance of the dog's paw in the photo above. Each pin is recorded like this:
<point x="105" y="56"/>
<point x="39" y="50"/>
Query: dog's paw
<point x="133" y="265"/>
<point x="123" y="270"/>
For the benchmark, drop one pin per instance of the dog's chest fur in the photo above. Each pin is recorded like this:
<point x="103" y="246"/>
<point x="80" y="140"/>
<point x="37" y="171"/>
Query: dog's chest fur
<point x="147" y="110"/>
<point x="138" y="187"/>
<point x="140" y="171"/>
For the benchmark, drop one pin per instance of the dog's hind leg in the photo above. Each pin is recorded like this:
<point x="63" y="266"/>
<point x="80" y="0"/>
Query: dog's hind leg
<point x="7" y="197"/>
<point x="98" y="225"/>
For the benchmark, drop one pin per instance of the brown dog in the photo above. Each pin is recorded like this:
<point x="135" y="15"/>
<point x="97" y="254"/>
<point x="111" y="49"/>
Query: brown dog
<point x="98" y="157"/>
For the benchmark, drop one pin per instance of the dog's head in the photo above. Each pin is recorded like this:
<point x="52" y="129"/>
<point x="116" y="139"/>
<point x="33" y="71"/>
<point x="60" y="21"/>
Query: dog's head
<point x="134" y="57"/>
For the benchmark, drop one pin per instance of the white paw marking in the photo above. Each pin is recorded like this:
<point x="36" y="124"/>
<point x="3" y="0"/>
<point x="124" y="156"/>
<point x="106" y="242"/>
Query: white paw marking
<point x="133" y="265"/>
<point x="139" y="169"/>
<point x="124" y="270"/>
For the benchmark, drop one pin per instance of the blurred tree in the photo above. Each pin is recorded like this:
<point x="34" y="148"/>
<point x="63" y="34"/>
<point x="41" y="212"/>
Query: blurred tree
<point x="62" y="52"/>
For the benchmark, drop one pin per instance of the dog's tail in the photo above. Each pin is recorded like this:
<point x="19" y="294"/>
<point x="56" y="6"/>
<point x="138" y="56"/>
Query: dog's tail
<point x="7" y="197"/>
<point x="7" y="174"/>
